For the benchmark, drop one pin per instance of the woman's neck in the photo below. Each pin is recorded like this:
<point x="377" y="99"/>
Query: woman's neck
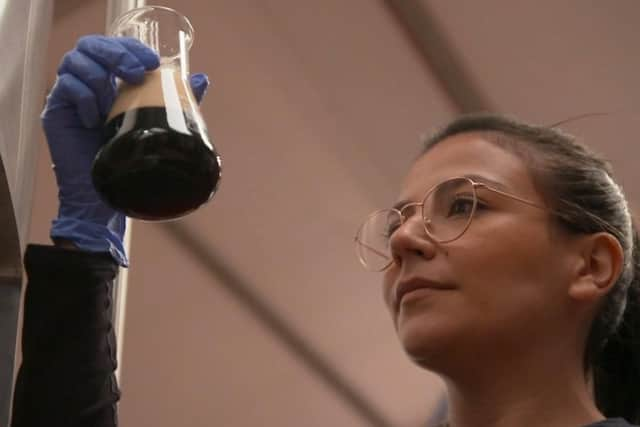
<point x="506" y="394"/>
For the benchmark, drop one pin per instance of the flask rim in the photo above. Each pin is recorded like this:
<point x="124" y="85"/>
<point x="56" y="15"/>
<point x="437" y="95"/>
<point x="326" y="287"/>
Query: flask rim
<point x="114" y="28"/>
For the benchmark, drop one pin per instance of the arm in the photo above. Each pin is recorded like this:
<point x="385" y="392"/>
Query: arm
<point x="68" y="345"/>
<point x="69" y="355"/>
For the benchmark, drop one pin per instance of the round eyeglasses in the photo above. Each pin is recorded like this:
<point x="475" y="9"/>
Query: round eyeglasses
<point x="447" y="211"/>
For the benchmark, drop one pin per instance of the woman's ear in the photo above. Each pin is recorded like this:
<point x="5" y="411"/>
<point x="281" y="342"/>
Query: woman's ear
<point x="598" y="266"/>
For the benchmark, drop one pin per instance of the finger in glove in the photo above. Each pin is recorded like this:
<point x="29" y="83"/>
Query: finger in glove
<point x="69" y="90"/>
<point x="199" y="84"/>
<point x="93" y="75"/>
<point x="126" y="57"/>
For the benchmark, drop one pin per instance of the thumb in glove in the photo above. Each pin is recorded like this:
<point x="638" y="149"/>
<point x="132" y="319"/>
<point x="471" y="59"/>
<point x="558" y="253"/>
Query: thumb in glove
<point x="199" y="85"/>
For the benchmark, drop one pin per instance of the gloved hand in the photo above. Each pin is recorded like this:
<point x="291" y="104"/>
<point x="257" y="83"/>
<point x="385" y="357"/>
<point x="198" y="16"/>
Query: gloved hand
<point x="75" y="112"/>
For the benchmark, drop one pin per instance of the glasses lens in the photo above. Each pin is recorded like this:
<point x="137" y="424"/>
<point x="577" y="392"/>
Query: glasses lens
<point x="372" y="241"/>
<point x="448" y="209"/>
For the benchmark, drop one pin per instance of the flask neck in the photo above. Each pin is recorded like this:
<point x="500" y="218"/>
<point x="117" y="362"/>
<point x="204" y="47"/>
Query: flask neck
<point x="171" y="57"/>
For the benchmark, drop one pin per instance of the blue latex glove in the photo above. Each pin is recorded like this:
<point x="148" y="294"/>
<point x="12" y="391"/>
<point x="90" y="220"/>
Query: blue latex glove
<point x="75" y="112"/>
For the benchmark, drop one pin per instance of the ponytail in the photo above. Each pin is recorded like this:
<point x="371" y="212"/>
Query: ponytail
<point x="616" y="371"/>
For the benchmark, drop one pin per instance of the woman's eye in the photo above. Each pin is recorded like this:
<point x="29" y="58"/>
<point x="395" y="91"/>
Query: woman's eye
<point x="461" y="206"/>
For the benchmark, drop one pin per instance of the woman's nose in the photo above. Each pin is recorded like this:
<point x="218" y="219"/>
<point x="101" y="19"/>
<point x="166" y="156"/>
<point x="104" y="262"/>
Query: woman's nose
<point x="411" y="240"/>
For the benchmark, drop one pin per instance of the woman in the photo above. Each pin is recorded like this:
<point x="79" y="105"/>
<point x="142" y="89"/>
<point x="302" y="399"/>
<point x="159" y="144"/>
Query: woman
<point x="509" y="278"/>
<point x="511" y="270"/>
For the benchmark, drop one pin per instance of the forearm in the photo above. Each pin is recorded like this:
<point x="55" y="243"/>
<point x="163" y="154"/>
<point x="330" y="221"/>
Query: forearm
<point x="68" y="345"/>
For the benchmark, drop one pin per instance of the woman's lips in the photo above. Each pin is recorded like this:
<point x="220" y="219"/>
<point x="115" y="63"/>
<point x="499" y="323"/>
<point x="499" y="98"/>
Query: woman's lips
<point x="417" y="286"/>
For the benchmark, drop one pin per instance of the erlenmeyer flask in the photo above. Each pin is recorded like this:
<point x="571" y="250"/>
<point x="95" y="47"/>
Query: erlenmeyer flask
<point x="158" y="162"/>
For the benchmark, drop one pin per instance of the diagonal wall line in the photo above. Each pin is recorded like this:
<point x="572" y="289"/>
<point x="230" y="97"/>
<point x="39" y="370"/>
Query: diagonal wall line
<point x="439" y="54"/>
<point x="275" y="323"/>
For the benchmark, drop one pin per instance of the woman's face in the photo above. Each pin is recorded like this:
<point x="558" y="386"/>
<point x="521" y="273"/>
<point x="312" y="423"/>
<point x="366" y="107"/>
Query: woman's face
<point x="504" y="280"/>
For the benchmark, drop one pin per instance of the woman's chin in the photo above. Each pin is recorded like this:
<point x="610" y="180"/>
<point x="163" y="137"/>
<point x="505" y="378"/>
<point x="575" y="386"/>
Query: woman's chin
<point x="425" y="342"/>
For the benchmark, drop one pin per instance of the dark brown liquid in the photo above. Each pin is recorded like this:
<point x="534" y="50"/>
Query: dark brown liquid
<point x="149" y="170"/>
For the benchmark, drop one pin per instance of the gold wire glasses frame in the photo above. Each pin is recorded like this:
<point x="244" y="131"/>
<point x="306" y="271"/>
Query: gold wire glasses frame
<point x="362" y="240"/>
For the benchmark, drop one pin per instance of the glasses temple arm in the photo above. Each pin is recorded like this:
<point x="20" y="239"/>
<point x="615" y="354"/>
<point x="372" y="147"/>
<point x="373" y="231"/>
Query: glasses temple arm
<point x="525" y="201"/>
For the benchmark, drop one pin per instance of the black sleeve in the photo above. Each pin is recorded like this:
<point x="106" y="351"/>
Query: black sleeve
<point x="68" y="345"/>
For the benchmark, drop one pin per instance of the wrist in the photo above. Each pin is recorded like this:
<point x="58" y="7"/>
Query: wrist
<point x="93" y="211"/>
<point x="63" y="243"/>
<point x="91" y="236"/>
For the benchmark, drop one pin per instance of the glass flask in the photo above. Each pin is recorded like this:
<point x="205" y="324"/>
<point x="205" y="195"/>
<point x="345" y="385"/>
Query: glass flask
<point x="158" y="162"/>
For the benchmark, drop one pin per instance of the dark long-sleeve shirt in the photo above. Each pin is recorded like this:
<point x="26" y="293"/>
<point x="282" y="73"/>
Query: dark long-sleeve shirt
<point x="68" y="344"/>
